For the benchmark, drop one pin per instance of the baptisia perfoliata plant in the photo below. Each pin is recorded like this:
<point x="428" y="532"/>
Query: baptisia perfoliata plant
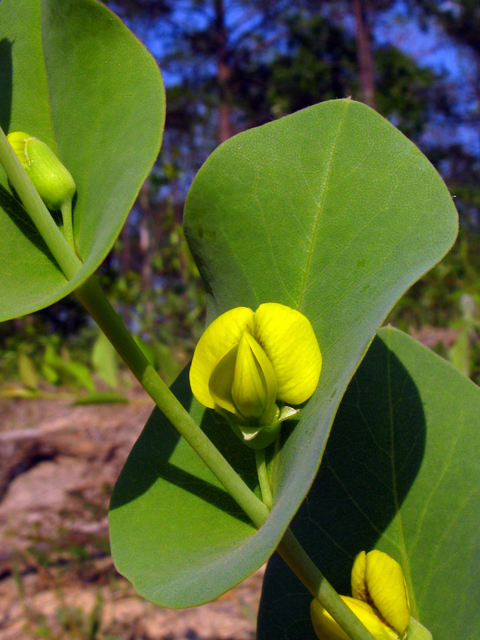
<point x="50" y="177"/>
<point x="251" y="367"/>
<point x="380" y="600"/>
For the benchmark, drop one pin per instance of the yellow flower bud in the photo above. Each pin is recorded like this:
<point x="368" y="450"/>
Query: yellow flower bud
<point x="244" y="383"/>
<point x="378" y="580"/>
<point x="50" y="178"/>
<point x="327" y="629"/>
<point x="246" y="363"/>
<point x="254" y="387"/>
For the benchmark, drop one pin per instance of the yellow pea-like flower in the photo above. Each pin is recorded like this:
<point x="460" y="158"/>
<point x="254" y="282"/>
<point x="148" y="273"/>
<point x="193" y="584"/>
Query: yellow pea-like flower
<point x="378" y="580"/>
<point x="327" y="629"/>
<point x="380" y="602"/>
<point x="50" y="177"/>
<point x="246" y="363"/>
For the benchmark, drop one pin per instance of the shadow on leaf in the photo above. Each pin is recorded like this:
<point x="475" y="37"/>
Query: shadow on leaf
<point x="149" y="461"/>
<point x="21" y="219"/>
<point x="372" y="459"/>
<point x="6" y="83"/>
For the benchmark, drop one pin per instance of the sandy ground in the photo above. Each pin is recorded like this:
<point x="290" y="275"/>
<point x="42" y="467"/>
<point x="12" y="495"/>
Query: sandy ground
<point x="58" y="464"/>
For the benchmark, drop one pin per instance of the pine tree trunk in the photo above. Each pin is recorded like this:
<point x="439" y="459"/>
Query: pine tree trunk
<point x="364" y="54"/>
<point x="223" y="74"/>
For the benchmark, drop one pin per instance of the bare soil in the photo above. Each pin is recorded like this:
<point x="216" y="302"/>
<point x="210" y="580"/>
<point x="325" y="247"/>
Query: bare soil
<point x="58" y="464"/>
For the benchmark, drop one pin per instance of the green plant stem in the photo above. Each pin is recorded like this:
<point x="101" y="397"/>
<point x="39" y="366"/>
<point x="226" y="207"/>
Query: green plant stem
<point x="263" y="478"/>
<point x="304" y="568"/>
<point x="94" y="300"/>
<point x="68" y="223"/>
<point x="67" y="260"/>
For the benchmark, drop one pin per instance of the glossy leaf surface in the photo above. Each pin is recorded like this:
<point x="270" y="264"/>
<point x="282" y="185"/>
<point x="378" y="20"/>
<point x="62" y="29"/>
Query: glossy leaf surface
<point x="72" y="75"/>
<point x="401" y="473"/>
<point x="330" y="211"/>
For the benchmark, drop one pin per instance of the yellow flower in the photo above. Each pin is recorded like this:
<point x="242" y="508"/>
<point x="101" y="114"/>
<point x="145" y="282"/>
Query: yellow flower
<point x="246" y="363"/>
<point x="378" y="580"/>
<point x="380" y="601"/>
<point x="327" y="629"/>
<point x="50" y="178"/>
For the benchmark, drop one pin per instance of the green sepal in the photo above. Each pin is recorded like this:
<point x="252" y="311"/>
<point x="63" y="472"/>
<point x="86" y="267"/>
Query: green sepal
<point x="258" y="437"/>
<point x="416" y="631"/>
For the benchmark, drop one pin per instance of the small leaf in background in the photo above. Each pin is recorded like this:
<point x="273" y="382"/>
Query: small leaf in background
<point x="27" y="372"/>
<point x="145" y="349"/>
<point x="14" y="391"/>
<point x="400" y="474"/>
<point x="79" y="374"/>
<point x="68" y="371"/>
<point x="460" y="354"/>
<point x="167" y="364"/>
<point x="104" y="360"/>
<point x="50" y="356"/>
<point x="50" y="373"/>
<point x="101" y="397"/>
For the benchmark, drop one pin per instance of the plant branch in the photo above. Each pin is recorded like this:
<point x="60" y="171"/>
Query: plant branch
<point x="94" y="300"/>
<point x="68" y="223"/>
<point x="96" y="303"/>
<point x="308" y="573"/>
<point x="263" y="478"/>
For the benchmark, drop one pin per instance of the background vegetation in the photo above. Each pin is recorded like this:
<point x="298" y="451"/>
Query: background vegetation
<point x="234" y="64"/>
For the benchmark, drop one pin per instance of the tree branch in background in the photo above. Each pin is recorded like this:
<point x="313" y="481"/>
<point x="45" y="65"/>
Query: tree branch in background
<point x="223" y="73"/>
<point x="364" y="54"/>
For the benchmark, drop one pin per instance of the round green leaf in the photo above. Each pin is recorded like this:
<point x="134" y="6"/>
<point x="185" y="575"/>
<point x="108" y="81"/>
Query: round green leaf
<point x="400" y="474"/>
<point x="333" y="212"/>
<point x="72" y="75"/>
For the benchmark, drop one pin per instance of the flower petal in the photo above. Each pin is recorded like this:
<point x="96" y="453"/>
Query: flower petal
<point x="359" y="569"/>
<point x="327" y="629"/>
<point x="387" y="589"/>
<point x="219" y="337"/>
<point x="221" y="381"/>
<point x="271" y="409"/>
<point x="288" y="339"/>
<point x="18" y="140"/>
<point x="255" y="385"/>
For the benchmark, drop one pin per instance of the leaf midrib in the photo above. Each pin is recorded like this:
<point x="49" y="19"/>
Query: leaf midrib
<point x="47" y="82"/>
<point x="320" y="208"/>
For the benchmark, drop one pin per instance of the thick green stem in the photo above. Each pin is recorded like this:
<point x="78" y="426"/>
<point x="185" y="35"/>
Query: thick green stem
<point x="304" y="568"/>
<point x="289" y="548"/>
<point x="98" y="306"/>
<point x="40" y="215"/>
<point x="68" y="223"/>
<point x="263" y="478"/>
<point x="94" y="300"/>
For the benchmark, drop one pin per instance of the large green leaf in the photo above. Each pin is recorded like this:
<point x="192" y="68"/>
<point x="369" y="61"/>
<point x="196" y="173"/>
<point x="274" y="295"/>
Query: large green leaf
<point x="331" y="211"/>
<point x="401" y="473"/>
<point x="73" y="75"/>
